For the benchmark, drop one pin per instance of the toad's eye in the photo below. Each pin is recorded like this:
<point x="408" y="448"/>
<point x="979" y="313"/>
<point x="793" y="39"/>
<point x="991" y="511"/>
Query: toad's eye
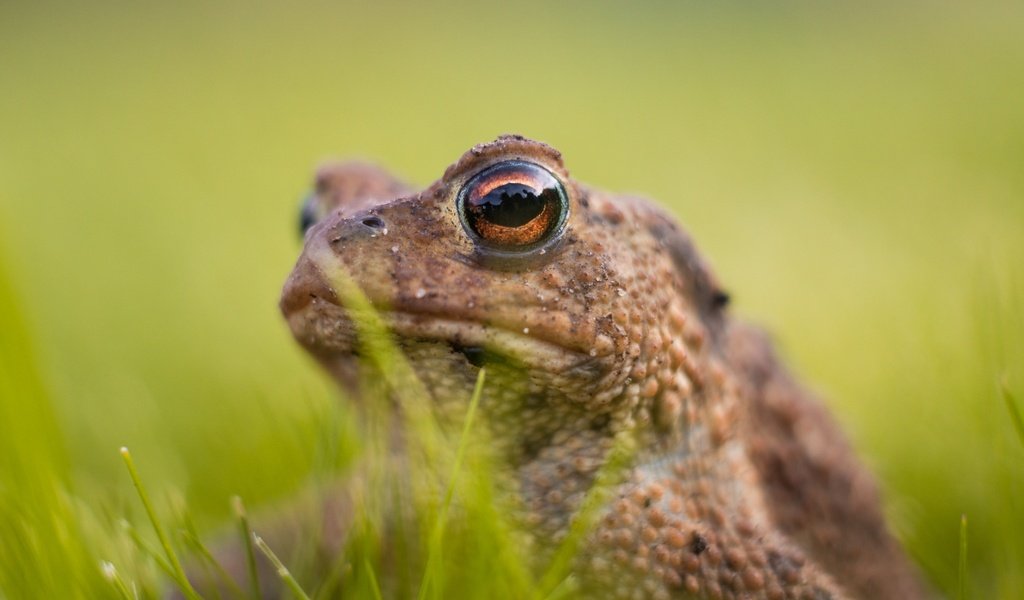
<point x="310" y="213"/>
<point x="514" y="205"/>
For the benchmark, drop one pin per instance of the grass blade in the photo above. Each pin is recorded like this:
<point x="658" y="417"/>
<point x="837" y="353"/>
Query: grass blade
<point x="282" y="571"/>
<point x="374" y="586"/>
<point x="250" y="552"/>
<point x="962" y="589"/>
<point x="213" y="568"/>
<point x="111" y="574"/>
<point x="1012" y="408"/>
<point x="172" y="558"/>
<point x="432" y="573"/>
<point x="147" y="550"/>
<point x="597" y="497"/>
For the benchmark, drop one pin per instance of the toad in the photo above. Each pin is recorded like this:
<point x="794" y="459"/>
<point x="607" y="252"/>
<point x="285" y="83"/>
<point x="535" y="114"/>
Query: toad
<point x="596" y="317"/>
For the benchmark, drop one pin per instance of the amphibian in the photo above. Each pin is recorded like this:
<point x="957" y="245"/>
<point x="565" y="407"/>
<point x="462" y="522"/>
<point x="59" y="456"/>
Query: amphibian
<point x="600" y="317"/>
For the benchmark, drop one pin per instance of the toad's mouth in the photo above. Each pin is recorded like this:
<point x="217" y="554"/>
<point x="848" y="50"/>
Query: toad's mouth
<point x="320" y="293"/>
<point x="331" y="333"/>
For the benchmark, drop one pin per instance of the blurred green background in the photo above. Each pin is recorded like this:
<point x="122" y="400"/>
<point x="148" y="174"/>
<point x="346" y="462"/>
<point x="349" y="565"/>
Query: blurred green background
<point x="855" y="172"/>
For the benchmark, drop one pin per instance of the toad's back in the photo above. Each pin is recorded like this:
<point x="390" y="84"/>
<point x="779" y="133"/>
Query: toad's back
<point x="598" y="320"/>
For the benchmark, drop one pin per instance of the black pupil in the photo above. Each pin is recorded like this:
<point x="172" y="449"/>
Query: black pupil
<point x="514" y="204"/>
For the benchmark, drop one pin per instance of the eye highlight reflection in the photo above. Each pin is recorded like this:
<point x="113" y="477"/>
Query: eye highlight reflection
<point x="514" y="205"/>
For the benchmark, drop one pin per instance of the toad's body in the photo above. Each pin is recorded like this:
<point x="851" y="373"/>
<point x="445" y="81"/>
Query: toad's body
<point x="607" y="323"/>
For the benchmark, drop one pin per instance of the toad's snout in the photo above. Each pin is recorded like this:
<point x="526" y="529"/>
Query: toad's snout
<point x="305" y="284"/>
<point x="325" y="252"/>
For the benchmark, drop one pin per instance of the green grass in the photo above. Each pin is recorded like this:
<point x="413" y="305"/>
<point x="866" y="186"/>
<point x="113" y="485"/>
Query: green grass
<point x="853" y="173"/>
<point x="44" y="549"/>
<point x="962" y="574"/>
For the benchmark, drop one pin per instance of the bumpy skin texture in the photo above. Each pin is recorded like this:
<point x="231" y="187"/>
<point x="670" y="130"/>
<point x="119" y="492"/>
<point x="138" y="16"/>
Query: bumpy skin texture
<point x="740" y="486"/>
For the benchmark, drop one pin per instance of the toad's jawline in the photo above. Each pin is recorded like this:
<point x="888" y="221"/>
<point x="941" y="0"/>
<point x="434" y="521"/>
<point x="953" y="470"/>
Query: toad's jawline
<point x="520" y="346"/>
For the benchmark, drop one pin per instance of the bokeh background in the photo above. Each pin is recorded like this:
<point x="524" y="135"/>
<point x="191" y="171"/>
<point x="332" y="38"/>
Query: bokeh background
<point x="854" y="171"/>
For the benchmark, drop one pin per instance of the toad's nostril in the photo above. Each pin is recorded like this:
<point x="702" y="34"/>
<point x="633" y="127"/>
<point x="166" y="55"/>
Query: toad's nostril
<point x="374" y="222"/>
<point x="720" y="299"/>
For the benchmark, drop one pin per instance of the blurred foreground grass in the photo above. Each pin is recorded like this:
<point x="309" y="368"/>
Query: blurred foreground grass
<point x="854" y="173"/>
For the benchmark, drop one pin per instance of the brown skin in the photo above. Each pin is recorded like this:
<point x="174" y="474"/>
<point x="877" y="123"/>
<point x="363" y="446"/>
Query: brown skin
<point x="740" y="485"/>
